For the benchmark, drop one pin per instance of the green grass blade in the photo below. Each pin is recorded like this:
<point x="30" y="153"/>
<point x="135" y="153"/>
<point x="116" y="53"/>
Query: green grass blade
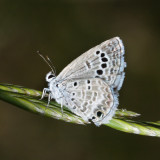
<point x="29" y="99"/>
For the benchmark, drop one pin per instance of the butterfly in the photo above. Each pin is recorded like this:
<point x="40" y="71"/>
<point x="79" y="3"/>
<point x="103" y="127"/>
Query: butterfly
<point x="89" y="85"/>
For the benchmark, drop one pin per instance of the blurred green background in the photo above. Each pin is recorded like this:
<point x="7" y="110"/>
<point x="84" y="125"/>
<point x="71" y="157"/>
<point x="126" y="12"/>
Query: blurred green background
<point x="63" y="30"/>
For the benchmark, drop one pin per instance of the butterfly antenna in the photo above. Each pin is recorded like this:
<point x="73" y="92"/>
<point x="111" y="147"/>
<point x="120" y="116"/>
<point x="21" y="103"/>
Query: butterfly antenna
<point x="51" y="64"/>
<point x="45" y="59"/>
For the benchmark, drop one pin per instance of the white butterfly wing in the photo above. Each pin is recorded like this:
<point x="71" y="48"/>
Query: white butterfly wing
<point x="105" y="61"/>
<point x="92" y="99"/>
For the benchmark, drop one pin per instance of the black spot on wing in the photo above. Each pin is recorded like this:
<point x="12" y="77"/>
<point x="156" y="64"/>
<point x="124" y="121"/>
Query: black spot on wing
<point x="97" y="52"/>
<point x="102" y="54"/>
<point x="99" y="72"/>
<point x="104" y="65"/>
<point x="104" y="59"/>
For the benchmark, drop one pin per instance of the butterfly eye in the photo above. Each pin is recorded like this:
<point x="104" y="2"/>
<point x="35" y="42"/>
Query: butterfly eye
<point x="50" y="76"/>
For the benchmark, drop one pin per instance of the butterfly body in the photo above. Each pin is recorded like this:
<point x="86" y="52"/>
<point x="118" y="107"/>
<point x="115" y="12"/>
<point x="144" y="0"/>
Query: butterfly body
<point x="89" y="85"/>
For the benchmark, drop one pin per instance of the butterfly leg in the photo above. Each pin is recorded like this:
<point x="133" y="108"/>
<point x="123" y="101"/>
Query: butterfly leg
<point x="49" y="99"/>
<point x="62" y="106"/>
<point x="44" y="92"/>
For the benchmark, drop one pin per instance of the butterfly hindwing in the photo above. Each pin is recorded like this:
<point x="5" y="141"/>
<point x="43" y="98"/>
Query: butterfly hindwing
<point x="92" y="99"/>
<point x="105" y="61"/>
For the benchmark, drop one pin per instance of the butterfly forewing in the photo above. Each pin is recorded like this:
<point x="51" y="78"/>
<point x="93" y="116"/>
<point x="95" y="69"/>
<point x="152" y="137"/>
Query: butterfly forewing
<point x="104" y="61"/>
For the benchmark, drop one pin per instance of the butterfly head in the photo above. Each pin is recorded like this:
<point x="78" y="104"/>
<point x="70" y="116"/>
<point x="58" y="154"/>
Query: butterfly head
<point x="50" y="76"/>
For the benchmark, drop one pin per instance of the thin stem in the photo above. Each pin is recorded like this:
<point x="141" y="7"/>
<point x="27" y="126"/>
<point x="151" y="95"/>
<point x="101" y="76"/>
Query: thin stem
<point x="29" y="99"/>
